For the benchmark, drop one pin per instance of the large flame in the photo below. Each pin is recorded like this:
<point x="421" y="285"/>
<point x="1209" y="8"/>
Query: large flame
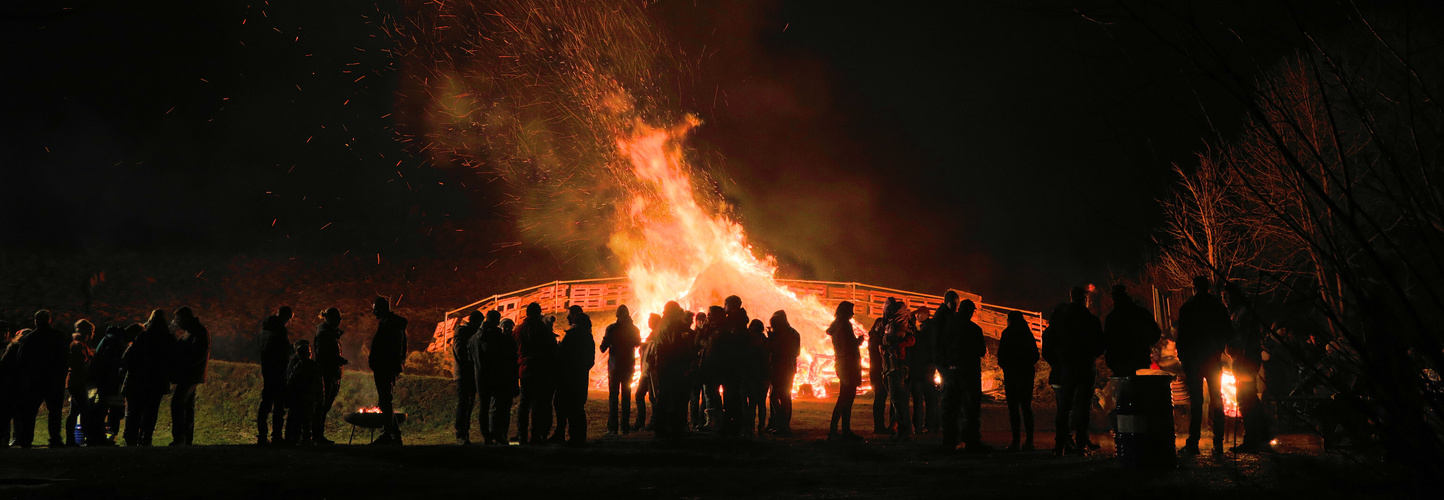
<point x="675" y="249"/>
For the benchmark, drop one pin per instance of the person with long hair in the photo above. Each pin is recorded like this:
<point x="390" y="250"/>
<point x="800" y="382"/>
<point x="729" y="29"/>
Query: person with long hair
<point x="149" y="365"/>
<point x="845" y="345"/>
<point x="1018" y="357"/>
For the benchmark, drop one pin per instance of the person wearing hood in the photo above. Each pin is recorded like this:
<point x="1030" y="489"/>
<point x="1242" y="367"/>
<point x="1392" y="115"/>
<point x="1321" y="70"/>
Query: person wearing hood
<point x="493" y="361"/>
<point x="898" y="340"/>
<point x="576" y="354"/>
<point x="1128" y="335"/>
<point x="621" y="340"/>
<point x="327" y="346"/>
<point x="43" y="368"/>
<point x="276" y="351"/>
<point x="388" y="358"/>
<point x="149" y="364"/>
<point x="536" y="360"/>
<point x="463" y="373"/>
<point x="784" y="344"/>
<point x="193" y="353"/>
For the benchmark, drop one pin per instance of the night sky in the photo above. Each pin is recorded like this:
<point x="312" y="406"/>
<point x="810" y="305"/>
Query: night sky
<point x="1005" y="150"/>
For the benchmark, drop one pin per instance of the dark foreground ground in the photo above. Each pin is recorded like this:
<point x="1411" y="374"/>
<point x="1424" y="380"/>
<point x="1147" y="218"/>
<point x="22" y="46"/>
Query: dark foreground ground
<point x="637" y="466"/>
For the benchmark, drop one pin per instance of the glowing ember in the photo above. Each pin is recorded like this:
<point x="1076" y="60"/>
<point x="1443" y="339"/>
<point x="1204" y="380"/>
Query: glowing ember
<point x="1230" y="393"/>
<point x="369" y="409"/>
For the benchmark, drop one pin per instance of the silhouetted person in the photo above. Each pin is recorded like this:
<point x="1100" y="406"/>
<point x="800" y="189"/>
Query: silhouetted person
<point x="464" y="375"/>
<point x="77" y="385"/>
<point x="1071" y="345"/>
<point x="757" y="376"/>
<point x="1018" y="357"/>
<point x="576" y="354"/>
<point x="9" y="382"/>
<point x="946" y="334"/>
<point x="922" y="373"/>
<point x="42" y="359"/>
<point x="732" y="354"/>
<point x="1129" y="335"/>
<point x="672" y="356"/>
<point x="848" y="363"/>
<point x="327" y="344"/>
<point x="193" y="353"/>
<point x="276" y="351"/>
<point x="1246" y="349"/>
<point x="1203" y="329"/>
<point x="303" y="391"/>
<point x="875" y="372"/>
<point x="149" y="365"/>
<point x="784" y="344"/>
<point x="107" y="373"/>
<point x="710" y="370"/>
<point x="969" y="351"/>
<point x="536" y="357"/>
<point x="646" y="388"/>
<point x="494" y="361"/>
<point x="898" y="340"/>
<point x="388" y="357"/>
<point x="621" y="340"/>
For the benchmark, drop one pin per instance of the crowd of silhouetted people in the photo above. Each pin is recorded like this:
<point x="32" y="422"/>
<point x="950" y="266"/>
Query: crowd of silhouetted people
<point x="714" y="371"/>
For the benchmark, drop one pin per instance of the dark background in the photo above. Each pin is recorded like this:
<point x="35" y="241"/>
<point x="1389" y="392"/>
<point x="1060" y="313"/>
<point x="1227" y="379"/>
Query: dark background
<point x="1005" y="149"/>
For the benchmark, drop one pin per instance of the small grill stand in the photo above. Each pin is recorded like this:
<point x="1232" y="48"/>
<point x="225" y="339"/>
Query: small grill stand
<point x="370" y="421"/>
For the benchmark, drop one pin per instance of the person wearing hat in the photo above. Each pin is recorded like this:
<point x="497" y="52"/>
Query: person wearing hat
<point x="276" y="351"/>
<point x="303" y="391"/>
<point x="327" y="346"/>
<point x="193" y="353"/>
<point x="388" y="357"/>
<point x="848" y="364"/>
<point x="464" y="375"/>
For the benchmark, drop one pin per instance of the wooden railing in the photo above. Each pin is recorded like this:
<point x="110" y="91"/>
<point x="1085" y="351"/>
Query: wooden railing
<point x="608" y="293"/>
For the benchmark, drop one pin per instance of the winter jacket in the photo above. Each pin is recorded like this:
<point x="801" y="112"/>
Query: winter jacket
<point x="1203" y="328"/>
<point x="327" y="344"/>
<point x="388" y="346"/>
<point x="193" y="353"/>
<point x="1129" y="335"/>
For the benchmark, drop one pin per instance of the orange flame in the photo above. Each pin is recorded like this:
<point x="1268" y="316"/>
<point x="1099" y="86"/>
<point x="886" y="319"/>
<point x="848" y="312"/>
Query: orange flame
<point x="677" y="249"/>
<point x="1229" y="385"/>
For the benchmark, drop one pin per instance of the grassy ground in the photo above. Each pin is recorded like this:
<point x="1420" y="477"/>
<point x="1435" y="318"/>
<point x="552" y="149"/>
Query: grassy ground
<point x="638" y="466"/>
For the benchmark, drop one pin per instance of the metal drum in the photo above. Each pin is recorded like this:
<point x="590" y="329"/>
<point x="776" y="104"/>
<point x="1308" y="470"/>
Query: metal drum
<point x="1144" y="432"/>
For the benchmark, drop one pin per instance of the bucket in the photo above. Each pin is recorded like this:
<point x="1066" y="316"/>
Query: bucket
<point x="1143" y="434"/>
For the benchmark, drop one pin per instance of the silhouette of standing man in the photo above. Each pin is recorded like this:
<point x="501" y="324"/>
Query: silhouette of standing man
<point x="463" y="371"/>
<point x="42" y="360"/>
<point x="622" y="339"/>
<point x="388" y="356"/>
<point x="1203" y="329"/>
<point x="276" y="353"/>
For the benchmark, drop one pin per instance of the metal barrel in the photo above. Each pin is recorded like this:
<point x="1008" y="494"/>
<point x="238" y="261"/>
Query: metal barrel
<point x="1143" y="434"/>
